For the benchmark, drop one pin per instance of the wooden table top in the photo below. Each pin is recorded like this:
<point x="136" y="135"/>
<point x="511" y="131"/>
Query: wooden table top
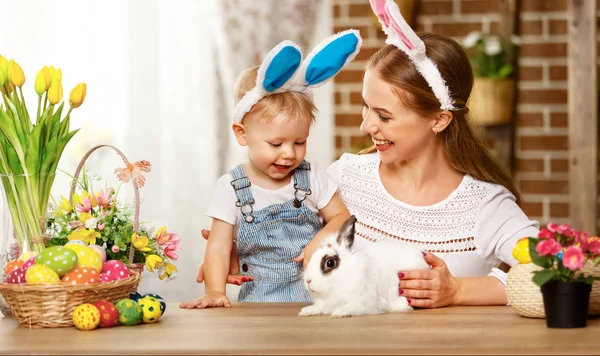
<point x="276" y="329"/>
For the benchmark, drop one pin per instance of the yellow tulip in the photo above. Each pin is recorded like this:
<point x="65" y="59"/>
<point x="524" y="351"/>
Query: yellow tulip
<point x="3" y="70"/>
<point x="88" y="236"/>
<point x="65" y="205"/>
<point x="152" y="262"/>
<point x="77" y="95"/>
<point x="55" y="92"/>
<point x="15" y="74"/>
<point x="42" y="81"/>
<point x="55" y="74"/>
<point x="77" y="199"/>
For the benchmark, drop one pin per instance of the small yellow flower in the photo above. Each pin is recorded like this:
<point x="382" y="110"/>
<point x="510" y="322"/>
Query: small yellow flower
<point x="55" y="93"/>
<point x="521" y="251"/>
<point x="55" y="74"/>
<point x="168" y="271"/>
<point x="77" y="95"/>
<point x="88" y="236"/>
<point x="15" y="74"/>
<point x="3" y="70"/>
<point x="140" y="242"/>
<point x="77" y="200"/>
<point x="42" y="81"/>
<point x="83" y="217"/>
<point x="152" y="262"/>
<point x="65" y="205"/>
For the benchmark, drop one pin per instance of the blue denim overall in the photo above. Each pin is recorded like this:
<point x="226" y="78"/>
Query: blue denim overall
<point x="269" y="239"/>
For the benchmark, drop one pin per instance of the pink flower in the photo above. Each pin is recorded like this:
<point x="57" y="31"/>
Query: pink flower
<point x="594" y="247"/>
<point x="75" y="224"/>
<point x="573" y="258"/>
<point x="563" y="229"/>
<point x="15" y="250"/>
<point x="548" y="247"/>
<point x="86" y="205"/>
<point x="165" y="238"/>
<point x="115" y="249"/>
<point x="105" y="199"/>
<point x="546" y="234"/>
<point x="170" y="251"/>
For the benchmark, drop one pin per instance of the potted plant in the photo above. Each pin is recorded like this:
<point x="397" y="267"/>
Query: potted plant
<point x="562" y="253"/>
<point x="493" y="62"/>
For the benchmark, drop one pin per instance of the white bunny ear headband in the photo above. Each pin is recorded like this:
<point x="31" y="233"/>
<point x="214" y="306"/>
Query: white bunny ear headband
<point x="401" y="35"/>
<point x="283" y="69"/>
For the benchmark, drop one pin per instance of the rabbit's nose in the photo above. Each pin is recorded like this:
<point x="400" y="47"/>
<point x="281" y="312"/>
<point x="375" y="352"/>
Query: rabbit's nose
<point x="308" y="281"/>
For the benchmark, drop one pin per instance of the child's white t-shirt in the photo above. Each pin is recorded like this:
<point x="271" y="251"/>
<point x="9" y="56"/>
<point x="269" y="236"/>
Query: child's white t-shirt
<point x="223" y="206"/>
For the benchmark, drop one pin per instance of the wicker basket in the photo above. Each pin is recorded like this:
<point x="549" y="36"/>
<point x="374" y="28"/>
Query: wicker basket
<point x="52" y="305"/>
<point x="525" y="297"/>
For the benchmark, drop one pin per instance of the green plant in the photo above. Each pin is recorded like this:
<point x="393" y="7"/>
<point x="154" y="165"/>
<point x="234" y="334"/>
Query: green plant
<point x="491" y="56"/>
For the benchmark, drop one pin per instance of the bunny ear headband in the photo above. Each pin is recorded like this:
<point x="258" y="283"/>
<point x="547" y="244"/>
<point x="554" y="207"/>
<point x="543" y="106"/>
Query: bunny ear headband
<point x="401" y="35"/>
<point x="283" y="69"/>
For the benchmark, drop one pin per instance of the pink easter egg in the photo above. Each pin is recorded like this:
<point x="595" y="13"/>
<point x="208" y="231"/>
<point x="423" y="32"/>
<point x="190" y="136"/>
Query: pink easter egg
<point x="100" y="251"/>
<point x="28" y="264"/>
<point x="115" y="270"/>
<point x="104" y="278"/>
<point x="16" y="276"/>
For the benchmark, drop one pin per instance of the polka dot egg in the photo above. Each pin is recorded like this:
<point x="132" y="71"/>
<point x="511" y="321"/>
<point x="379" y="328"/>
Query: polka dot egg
<point x="84" y="275"/>
<point x="28" y="263"/>
<point x="16" y="276"/>
<point x="86" y="257"/>
<point x="41" y="274"/>
<point x="130" y="312"/>
<point x="151" y="309"/>
<point x="109" y="315"/>
<point x="86" y="317"/>
<point x="60" y="259"/>
<point x="163" y="305"/>
<point x="104" y="278"/>
<point x="115" y="270"/>
<point x="13" y="265"/>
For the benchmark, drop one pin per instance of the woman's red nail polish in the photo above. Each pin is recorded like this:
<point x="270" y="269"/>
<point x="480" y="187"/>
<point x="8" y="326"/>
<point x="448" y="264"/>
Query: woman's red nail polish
<point x="400" y="275"/>
<point x="237" y="283"/>
<point x="400" y="291"/>
<point x="409" y="302"/>
<point x="424" y="253"/>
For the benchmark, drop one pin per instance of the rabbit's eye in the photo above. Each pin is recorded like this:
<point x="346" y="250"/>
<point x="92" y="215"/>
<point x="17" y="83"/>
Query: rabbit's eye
<point x="329" y="263"/>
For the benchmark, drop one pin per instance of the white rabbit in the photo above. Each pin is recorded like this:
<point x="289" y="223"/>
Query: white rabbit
<point x="345" y="282"/>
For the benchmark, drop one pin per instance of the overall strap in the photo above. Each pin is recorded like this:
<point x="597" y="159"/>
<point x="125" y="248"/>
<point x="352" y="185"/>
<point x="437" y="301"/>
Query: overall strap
<point x="301" y="183"/>
<point x="241" y="186"/>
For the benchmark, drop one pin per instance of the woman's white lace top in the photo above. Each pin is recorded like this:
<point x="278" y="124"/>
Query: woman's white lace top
<point x="473" y="230"/>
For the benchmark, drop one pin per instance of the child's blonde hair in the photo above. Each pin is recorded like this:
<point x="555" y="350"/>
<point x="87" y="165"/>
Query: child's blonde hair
<point x="297" y="105"/>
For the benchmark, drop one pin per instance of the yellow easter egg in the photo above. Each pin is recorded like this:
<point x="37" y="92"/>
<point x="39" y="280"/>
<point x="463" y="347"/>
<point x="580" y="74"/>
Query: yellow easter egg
<point x="86" y="257"/>
<point x="27" y="255"/>
<point x="521" y="251"/>
<point x="41" y="274"/>
<point x="86" y="317"/>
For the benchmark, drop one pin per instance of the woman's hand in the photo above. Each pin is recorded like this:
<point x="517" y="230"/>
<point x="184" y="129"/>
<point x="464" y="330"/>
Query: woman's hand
<point x="234" y="276"/>
<point x="209" y="300"/>
<point x="432" y="288"/>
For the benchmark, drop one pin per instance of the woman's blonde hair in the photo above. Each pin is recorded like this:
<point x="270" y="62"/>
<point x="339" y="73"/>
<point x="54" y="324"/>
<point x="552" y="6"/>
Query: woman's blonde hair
<point x="297" y="105"/>
<point x="465" y="150"/>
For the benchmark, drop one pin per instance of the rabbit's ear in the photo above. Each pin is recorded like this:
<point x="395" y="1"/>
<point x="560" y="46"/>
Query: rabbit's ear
<point x="329" y="57"/>
<point x="345" y="236"/>
<point x="279" y="66"/>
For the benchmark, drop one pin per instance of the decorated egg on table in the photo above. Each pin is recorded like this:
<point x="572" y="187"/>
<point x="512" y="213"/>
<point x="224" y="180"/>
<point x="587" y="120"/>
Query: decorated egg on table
<point x="16" y="276"/>
<point x="109" y="315"/>
<point x="82" y="275"/>
<point x="41" y="274"/>
<point x="76" y="242"/>
<point x="86" y="257"/>
<point x="13" y="265"/>
<point x="521" y="251"/>
<point x="115" y="270"/>
<point x="27" y="255"/>
<point x="101" y="252"/>
<point x="163" y="305"/>
<point x="86" y="317"/>
<point x="151" y="309"/>
<point x="130" y="312"/>
<point x="59" y="258"/>
<point x="135" y="296"/>
<point x="28" y="263"/>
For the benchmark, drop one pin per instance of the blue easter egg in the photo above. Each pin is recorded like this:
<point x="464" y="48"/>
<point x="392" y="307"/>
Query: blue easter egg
<point x="135" y="296"/>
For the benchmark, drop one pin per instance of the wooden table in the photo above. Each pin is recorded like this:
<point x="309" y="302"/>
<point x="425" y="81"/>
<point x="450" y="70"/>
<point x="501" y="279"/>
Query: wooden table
<point x="276" y="329"/>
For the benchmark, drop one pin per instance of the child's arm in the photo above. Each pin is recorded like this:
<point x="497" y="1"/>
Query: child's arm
<point x="216" y="259"/>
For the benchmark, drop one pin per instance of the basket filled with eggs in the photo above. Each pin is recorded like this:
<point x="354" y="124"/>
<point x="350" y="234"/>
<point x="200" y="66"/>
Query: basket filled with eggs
<point x="87" y="260"/>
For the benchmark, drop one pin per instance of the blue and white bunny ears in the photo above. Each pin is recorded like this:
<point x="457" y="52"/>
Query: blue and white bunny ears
<point x="283" y="69"/>
<point x="401" y="35"/>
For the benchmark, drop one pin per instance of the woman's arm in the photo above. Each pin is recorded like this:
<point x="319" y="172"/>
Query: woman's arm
<point x="486" y="290"/>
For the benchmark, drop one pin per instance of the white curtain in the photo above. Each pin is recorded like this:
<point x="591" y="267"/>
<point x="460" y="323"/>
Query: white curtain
<point x="154" y="92"/>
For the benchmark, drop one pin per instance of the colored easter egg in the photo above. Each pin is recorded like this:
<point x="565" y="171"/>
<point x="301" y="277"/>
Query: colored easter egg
<point x="13" y="265"/>
<point x="41" y="274"/>
<point x="521" y="251"/>
<point x="135" y="296"/>
<point x="104" y="278"/>
<point x="86" y="257"/>
<point x="151" y="309"/>
<point x="76" y="242"/>
<point x="27" y="255"/>
<point x="59" y="258"/>
<point x="100" y="250"/>
<point x="16" y="276"/>
<point x="130" y="312"/>
<point x="82" y="275"/>
<point x="160" y="299"/>
<point x="109" y="315"/>
<point x="28" y="263"/>
<point x="115" y="270"/>
<point x="86" y="317"/>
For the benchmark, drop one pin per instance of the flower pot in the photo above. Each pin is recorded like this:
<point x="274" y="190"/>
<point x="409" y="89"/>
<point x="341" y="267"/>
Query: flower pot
<point x="492" y="101"/>
<point x="566" y="304"/>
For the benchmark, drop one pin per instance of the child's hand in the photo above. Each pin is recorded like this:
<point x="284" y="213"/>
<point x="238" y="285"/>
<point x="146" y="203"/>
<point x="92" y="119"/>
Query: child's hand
<point x="234" y="276"/>
<point x="209" y="300"/>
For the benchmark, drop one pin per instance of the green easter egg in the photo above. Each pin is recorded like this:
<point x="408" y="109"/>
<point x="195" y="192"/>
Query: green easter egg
<point x="130" y="312"/>
<point x="151" y="309"/>
<point x="163" y="305"/>
<point x="58" y="258"/>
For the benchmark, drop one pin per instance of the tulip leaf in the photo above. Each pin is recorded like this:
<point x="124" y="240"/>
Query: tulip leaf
<point x="17" y="124"/>
<point x="13" y="160"/>
<point x="56" y="119"/>
<point x="8" y="129"/>
<point x="32" y="153"/>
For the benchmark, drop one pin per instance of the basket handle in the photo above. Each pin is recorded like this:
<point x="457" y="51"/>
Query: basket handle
<point x="136" y="214"/>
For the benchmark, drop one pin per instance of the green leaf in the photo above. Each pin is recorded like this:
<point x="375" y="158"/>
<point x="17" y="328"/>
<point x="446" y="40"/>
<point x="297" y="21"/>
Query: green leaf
<point x="8" y="129"/>
<point x="56" y="120"/>
<point x="542" y="261"/>
<point x="544" y="276"/>
<point x="33" y="152"/>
